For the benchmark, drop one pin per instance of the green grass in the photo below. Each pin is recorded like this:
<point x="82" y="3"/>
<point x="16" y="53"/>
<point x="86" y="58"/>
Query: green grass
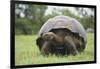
<point x="27" y="53"/>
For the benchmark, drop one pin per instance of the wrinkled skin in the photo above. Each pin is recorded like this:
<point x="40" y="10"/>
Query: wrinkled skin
<point x="60" y="42"/>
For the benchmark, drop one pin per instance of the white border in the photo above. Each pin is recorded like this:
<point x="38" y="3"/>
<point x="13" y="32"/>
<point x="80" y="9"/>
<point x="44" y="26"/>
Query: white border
<point x="5" y="34"/>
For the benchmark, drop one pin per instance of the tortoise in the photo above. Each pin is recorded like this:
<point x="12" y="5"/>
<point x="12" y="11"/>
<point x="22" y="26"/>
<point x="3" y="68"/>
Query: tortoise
<point x="61" y="35"/>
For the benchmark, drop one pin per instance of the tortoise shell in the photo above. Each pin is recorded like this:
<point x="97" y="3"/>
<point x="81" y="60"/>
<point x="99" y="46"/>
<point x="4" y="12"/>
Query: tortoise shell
<point x="63" y="22"/>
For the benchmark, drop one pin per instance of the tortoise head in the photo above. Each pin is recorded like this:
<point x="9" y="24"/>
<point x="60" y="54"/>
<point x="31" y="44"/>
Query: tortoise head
<point x="49" y="36"/>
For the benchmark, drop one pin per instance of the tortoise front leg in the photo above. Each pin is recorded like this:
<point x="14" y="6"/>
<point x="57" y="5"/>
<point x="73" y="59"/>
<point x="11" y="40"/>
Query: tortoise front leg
<point x="45" y="48"/>
<point x="71" y="48"/>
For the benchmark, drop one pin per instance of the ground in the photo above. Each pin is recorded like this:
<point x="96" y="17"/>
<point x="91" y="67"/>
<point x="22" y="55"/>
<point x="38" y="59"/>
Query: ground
<point x="27" y="53"/>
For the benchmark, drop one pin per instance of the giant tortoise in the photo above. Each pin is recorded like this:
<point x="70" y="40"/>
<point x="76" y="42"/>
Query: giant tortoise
<point x="61" y="35"/>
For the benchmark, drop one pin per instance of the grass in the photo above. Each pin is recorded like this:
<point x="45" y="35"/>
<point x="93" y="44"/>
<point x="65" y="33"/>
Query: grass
<point x="27" y="53"/>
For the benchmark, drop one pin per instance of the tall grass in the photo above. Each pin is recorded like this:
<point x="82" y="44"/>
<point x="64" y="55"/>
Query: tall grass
<point x="26" y="52"/>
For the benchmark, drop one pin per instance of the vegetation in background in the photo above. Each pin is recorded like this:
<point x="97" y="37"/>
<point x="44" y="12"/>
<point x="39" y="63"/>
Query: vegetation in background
<point x="30" y="18"/>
